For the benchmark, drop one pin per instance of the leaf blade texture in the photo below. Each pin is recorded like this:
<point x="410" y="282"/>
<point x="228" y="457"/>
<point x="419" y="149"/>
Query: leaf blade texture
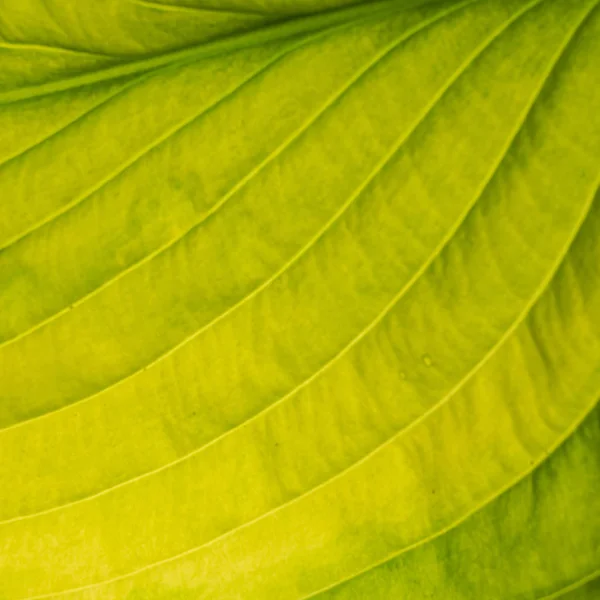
<point x="299" y="300"/>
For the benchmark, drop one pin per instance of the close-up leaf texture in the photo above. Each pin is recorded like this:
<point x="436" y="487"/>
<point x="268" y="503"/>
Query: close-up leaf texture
<point x="299" y="299"/>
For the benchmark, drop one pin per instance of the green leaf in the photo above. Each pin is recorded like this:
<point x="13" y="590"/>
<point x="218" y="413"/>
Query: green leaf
<point x="299" y="299"/>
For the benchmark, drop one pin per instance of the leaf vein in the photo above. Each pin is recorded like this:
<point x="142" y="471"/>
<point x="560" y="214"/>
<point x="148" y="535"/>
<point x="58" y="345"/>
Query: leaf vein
<point x="518" y="321"/>
<point x="397" y="297"/>
<point x="497" y="493"/>
<point x="89" y="110"/>
<point x="122" y="168"/>
<point x="197" y="10"/>
<point x="239" y="185"/>
<point x="391" y="440"/>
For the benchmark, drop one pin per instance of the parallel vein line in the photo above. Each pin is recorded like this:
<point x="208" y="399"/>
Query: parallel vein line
<point x="544" y="456"/>
<point x="387" y="443"/>
<point x="542" y="287"/>
<point x="122" y="167"/>
<point x="520" y="319"/>
<point x="278" y="31"/>
<point x="181" y="57"/>
<point x="89" y="110"/>
<point x="416" y="276"/>
<point x="242" y="182"/>
<point x="566" y="435"/>
<point x="409" y="284"/>
<point x="330" y="102"/>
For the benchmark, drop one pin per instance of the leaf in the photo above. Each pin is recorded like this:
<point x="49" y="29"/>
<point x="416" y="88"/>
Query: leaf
<point x="299" y="300"/>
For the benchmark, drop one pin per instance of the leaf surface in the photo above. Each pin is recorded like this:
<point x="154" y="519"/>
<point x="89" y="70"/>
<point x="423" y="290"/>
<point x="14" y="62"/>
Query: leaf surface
<point x="299" y="300"/>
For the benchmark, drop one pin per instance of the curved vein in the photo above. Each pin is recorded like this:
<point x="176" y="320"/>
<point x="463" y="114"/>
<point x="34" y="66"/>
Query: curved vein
<point x="164" y="137"/>
<point x="478" y="508"/>
<point x="239" y="185"/>
<point x="77" y="119"/>
<point x="560" y="440"/>
<point x="321" y="23"/>
<point x="354" y="341"/>
<point x="393" y="439"/>
<point x="380" y="447"/>
<point x="538" y="292"/>
<point x="198" y="10"/>
<point x="34" y="47"/>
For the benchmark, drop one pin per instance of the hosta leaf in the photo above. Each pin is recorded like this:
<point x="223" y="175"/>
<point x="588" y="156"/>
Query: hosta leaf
<point x="299" y="299"/>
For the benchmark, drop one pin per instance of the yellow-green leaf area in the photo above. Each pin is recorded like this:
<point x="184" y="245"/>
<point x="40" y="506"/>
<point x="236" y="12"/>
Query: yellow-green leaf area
<point x="299" y="300"/>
